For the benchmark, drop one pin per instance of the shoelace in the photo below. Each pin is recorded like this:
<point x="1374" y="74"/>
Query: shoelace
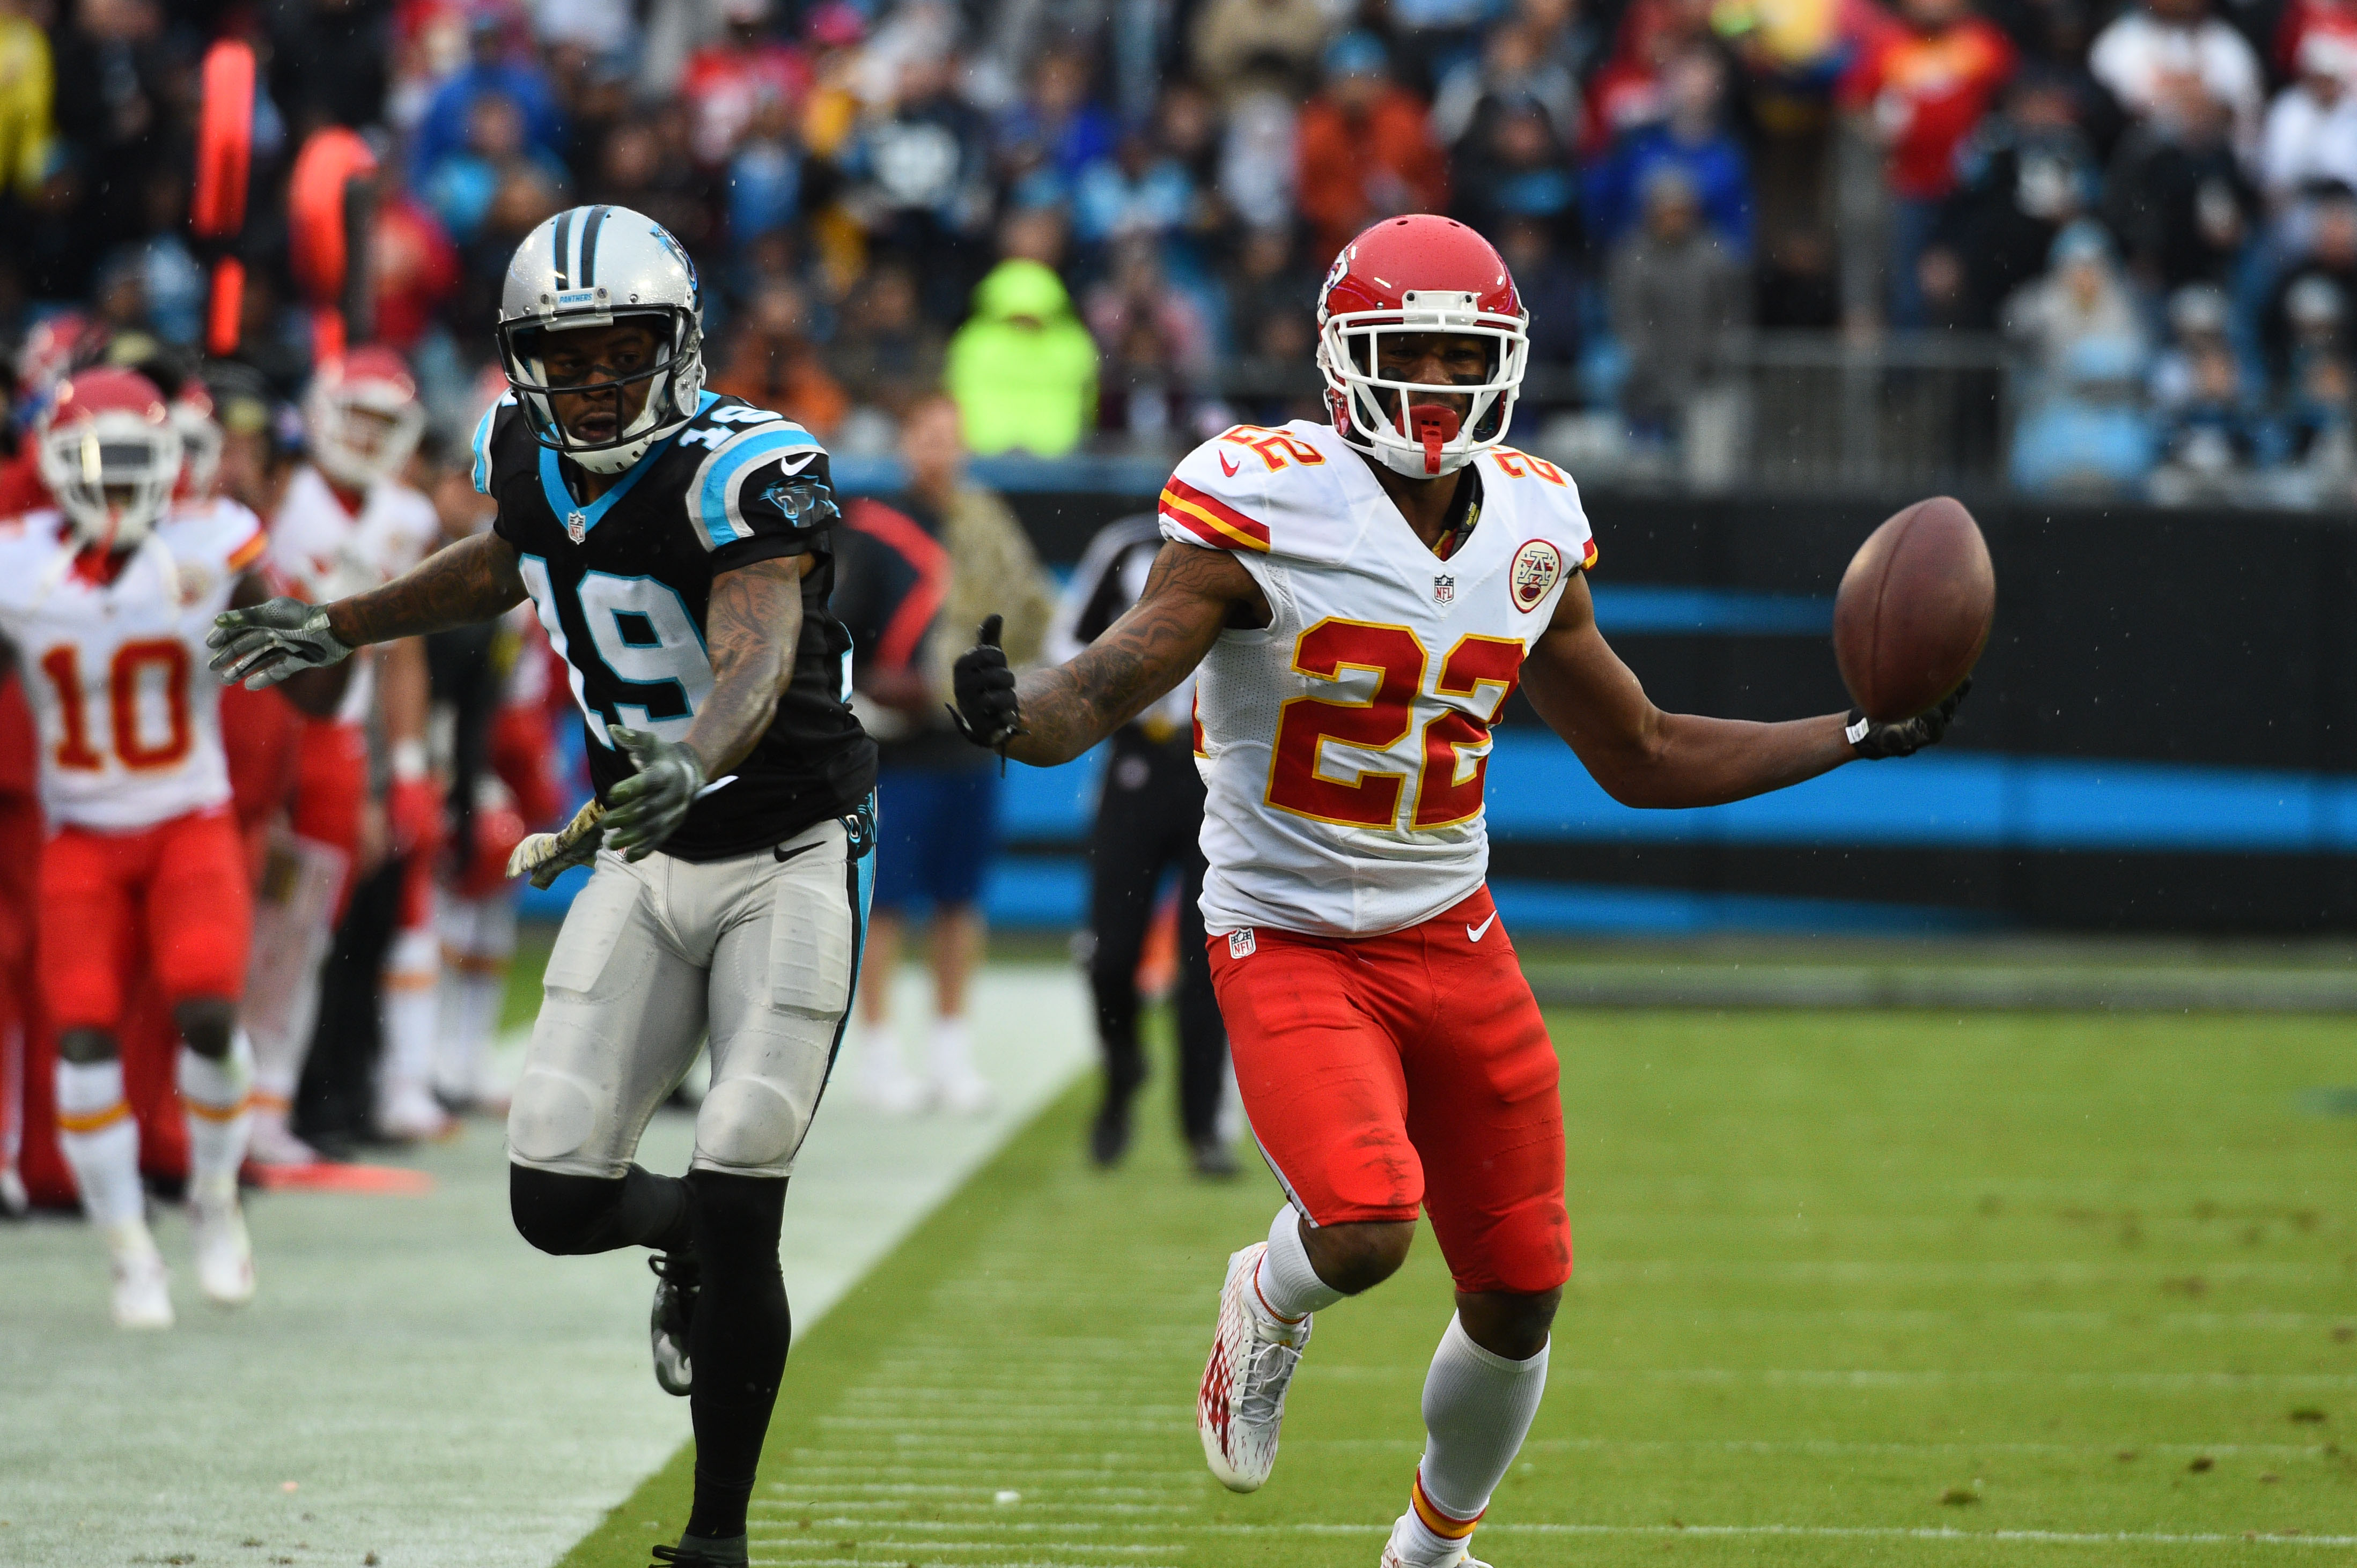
<point x="1257" y="1376"/>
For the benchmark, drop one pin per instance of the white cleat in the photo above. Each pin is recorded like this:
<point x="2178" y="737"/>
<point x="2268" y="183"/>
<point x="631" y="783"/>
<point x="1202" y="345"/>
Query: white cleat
<point x="1396" y="1556"/>
<point x="143" y="1293"/>
<point x="224" y="1253"/>
<point x="410" y="1114"/>
<point x="270" y="1143"/>
<point x="1241" y="1402"/>
<point x="962" y="1091"/>
<point x="884" y="1086"/>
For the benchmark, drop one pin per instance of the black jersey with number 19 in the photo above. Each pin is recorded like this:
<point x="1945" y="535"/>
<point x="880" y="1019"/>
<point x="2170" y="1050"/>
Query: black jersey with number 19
<point x="621" y="583"/>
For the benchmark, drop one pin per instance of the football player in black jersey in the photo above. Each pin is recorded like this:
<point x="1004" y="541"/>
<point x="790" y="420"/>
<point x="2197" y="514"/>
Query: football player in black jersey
<point x="677" y="546"/>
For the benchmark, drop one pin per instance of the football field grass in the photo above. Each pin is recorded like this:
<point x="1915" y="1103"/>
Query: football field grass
<point x="1853" y="1288"/>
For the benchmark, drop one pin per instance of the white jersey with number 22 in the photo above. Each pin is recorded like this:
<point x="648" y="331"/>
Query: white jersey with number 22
<point x="1345" y="744"/>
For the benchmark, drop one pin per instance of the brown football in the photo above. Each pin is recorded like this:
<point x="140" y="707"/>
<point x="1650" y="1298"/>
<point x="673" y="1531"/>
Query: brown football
<point x="1914" y="610"/>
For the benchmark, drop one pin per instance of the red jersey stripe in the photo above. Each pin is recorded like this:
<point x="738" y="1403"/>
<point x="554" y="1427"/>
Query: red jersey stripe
<point x="1194" y="509"/>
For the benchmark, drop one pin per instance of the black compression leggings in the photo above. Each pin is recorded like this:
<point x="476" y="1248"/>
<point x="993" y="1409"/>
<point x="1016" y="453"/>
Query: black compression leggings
<point x="736" y="1344"/>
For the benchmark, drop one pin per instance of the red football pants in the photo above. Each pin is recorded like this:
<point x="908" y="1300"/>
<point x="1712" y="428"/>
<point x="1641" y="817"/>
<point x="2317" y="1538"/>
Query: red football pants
<point x="1406" y="1069"/>
<point x="177" y="890"/>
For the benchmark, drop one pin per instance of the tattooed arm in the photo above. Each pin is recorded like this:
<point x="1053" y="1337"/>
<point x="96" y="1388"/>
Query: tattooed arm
<point x="753" y="625"/>
<point x="472" y="580"/>
<point x="1191" y="595"/>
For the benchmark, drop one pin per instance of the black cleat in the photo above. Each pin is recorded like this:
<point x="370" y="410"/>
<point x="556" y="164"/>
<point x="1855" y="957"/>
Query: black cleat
<point x="1109" y="1134"/>
<point x="693" y="1551"/>
<point x="1214" y="1161"/>
<point x="678" y="1280"/>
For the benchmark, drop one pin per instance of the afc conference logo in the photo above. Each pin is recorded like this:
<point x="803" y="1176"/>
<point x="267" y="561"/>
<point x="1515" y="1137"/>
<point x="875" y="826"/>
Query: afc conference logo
<point x="1538" y="567"/>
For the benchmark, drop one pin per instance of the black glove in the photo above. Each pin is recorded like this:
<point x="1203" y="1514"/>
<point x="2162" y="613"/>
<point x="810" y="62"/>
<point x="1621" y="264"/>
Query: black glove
<point x="1875" y="741"/>
<point x="646" y="808"/>
<point x="275" y="639"/>
<point x="986" y="711"/>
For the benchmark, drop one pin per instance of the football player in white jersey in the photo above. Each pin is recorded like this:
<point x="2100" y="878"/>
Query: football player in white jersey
<point x="1362" y="597"/>
<point x="349" y="523"/>
<point x="106" y="600"/>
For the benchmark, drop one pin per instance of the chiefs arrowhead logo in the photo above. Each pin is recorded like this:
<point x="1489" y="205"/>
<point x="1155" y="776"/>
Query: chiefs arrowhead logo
<point x="1227" y="467"/>
<point x="1538" y="567"/>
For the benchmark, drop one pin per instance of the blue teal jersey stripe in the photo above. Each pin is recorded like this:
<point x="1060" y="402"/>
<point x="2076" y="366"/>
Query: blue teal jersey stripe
<point x="483" y="444"/>
<point x="560" y="499"/>
<point x="725" y="468"/>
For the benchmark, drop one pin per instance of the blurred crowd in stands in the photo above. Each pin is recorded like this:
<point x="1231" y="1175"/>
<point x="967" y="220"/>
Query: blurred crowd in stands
<point x="1101" y="223"/>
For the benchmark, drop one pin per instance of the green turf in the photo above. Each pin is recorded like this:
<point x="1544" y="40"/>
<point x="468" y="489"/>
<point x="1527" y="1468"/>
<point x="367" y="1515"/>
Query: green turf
<point x="1853" y="1289"/>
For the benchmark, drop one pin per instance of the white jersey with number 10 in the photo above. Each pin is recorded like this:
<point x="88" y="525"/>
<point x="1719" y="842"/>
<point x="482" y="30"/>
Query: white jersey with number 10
<point x="115" y="669"/>
<point x="1346" y="744"/>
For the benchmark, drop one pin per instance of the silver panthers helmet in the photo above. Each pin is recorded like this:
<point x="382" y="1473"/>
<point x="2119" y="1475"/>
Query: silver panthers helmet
<point x="593" y="266"/>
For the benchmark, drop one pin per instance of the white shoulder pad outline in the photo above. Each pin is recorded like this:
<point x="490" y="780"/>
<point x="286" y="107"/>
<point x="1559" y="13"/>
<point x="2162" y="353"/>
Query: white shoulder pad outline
<point x="225" y="531"/>
<point x="1553" y="488"/>
<point x="483" y="442"/>
<point x="1204" y="502"/>
<point x="715" y="495"/>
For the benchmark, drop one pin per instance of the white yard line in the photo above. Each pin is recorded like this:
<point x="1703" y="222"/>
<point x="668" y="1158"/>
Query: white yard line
<point x="1844" y="1533"/>
<point x="412" y="1379"/>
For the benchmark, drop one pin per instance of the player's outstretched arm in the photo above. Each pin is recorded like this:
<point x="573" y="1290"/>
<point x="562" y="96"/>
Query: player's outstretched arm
<point x="472" y="580"/>
<point x="1052" y="715"/>
<point x="752" y="627"/>
<point x="1643" y="757"/>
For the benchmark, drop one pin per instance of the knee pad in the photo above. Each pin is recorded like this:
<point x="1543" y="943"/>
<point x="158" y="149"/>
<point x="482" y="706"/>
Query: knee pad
<point x="565" y="1215"/>
<point x="208" y="1024"/>
<point x="747" y="1124"/>
<point x="552" y="1116"/>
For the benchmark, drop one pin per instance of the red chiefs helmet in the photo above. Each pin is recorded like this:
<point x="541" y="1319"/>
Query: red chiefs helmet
<point x="362" y="416"/>
<point x="110" y="455"/>
<point x="201" y="438"/>
<point x="1418" y="274"/>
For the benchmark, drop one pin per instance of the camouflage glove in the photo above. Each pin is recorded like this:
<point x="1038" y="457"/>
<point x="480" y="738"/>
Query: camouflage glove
<point x="275" y="639"/>
<point x="648" y="807"/>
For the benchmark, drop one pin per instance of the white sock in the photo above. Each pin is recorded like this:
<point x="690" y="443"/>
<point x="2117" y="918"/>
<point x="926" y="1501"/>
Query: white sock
<point x="278" y="1053"/>
<point x="952" y="1048"/>
<point x="877" y="1048"/>
<point x="412" y="972"/>
<point x="1478" y="1408"/>
<point x="214" y="1095"/>
<point x="102" y="1141"/>
<point x="1289" y="1287"/>
<point x="469" y="1003"/>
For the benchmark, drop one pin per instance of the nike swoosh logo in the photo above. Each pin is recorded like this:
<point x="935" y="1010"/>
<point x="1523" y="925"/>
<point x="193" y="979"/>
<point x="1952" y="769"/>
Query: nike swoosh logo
<point x="1227" y="467"/>
<point x="1475" y="933"/>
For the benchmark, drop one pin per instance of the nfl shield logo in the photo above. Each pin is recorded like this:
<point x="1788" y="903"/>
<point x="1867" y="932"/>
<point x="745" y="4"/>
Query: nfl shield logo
<point x="1241" y="944"/>
<point x="1444" y="589"/>
<point x="577" y="526"/>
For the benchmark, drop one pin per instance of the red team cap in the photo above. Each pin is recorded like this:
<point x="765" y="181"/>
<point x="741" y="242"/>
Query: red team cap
<point x="1416" y="274"/>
